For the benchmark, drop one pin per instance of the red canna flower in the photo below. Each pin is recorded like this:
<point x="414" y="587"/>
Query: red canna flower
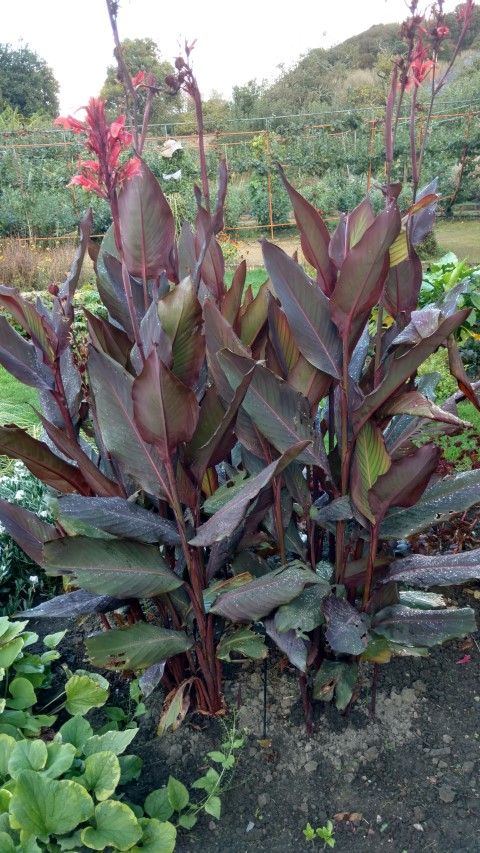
<point x="420" y="66"/>
<point x="138" y="79"/>
<point x="104" y="174"/>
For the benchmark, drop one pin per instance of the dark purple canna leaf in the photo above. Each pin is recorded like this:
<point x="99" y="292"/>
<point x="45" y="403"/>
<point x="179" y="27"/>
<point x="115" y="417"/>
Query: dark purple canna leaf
<point x="403" y="365"/>
<point x="112" y="290"/>
<point x="254" y="600"/>
<point x="412" y="627"/>
<point x="165" y="410"/>
<point x="423" y="221"/>
<point x="338" y="243"/>
<point x="209" y="255"/>
<point x="152" y="336"/>
<point x="362" y="276"/>
<point x="404" y="482"/>
<point x="218" y="335"/>
<point x="255" y="317"/>
<point x="137" y="646"/>
<point x="225" y="521"/>
<point x="17" y="443"/>
<point x="116" y="567"/>
<point x="68" y="288"/>
<point x="283" y="342"/>
<point x="73" y="605"/>
<point x="457" y="370"/>
<point x="347" y="629"/>
<point x="32" y="321"/>
<point x="112" y="397"/>
<point x="314" y="237"/>
<point x="147" y="226"/>
<point x="445" y="570"/>
<point x="151" y="678"/>
<point x="186" y="252"/>
<point x="292" y="646"/>
<point x="120" y="518"/>
<point x="19" y="357"/>
<point x="233" y="297"/>
<point x="181" y="318"/>
<point x="403" y="287"/>
<point x="108" y="338"/>
<point x="307" y="310"/>
<point x="310" y="382"/>
<point x="277" y="410"/>
<point x="415" y="404"/>
<point x="28" y="530"/>
<point x="437" y="504"/>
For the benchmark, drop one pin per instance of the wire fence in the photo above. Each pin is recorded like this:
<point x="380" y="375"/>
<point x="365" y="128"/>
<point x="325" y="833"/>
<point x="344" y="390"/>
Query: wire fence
<point x="330" y="157"/>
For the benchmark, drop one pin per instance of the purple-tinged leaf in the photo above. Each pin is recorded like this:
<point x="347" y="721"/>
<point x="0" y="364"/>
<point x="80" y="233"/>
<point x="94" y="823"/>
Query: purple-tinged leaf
<point x="359" y="354"/>
<point x="116" y="567"/>
<point x="152" y="336"/>
<point x="17" y="443"/>
<point x="221" y="553"/>
<point x="33" y="322"/>
<point x="151" y="678"/>
<point x="186" y="252"/>
<point x="120" y="518"/>
<point x="108" y="338"/>
<point x="314" y="237"/>
<point x="310" y="382"/>
<point x="28" y="530"/>
<point x="362" y="276"/>
<point x="220" y="335"/>
<point x="209" y="255"/>
<point x="457" y="370"/>
<point x="347" y="629"/>
<point x="438" y="503"/>
<point x="404" y="482"/>
<point x="335" y="677"/>
<point x="280" y="413"/>
<point x="112" y="290"/>
<point x="181" y="317"/>
<point x="339" y="509"/>
<point x="282" y="339"/>
<point x="255" y="317"/>
<point x="412" y="627"/>
<point x="403" y="287"/>
<point x="254" y="600"/>
<point x="112" y="396"/>
<point x="402" y="366"/>
<point x="147" y="226"/>
<point x="307" y="310"/>
<point x="422" y="324"/>
<point x="73" y="605"/>
<point x="358" y="221"/>
<point x="225" y="521"/>
<point x="370" y="460"/>
<point x="137" y="646"/>
<point x="292" y="646"/>
<point x="423" y="221"/>
<point x="99" y="484"/>
<point x="233" y="297"/>
<point x="304" y="613"/>
<point x="165" y="410"/>
<point x="338" y="243"/>
<point x="414" y="403"/>
<point x="445" y="570"/>
<point x="19" y="357"/>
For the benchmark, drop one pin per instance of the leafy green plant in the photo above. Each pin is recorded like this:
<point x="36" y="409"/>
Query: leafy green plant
<point x="449" y="274"/>
<point x="240" y="464"/>
<point x="323" y="832"/>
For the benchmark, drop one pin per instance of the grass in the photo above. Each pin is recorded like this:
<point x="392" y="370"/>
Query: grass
<point x="16" y="401"/>
<point x="460" y="237"/>
<point x="255" y="278"/>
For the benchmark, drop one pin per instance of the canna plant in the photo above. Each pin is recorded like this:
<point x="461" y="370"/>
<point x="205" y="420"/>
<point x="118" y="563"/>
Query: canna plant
<point x="225" y="466"/>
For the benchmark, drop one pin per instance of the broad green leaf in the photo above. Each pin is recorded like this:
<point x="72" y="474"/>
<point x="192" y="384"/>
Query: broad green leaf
<point x="243" y="641"/>
<point x="157" y="805"/>
<point x="136" y="646"/>
<point x="307" y="310"/>
<point x="213" y="806"/>
<point x="115" y="742"/>
<point x="7" y="745"/>
<point x="227" y="519"/>
<point x="9" y="652"/>
<point x="130" y="768"/>
<point x="27" y="755"/>
<point x="120" y="567"/>
<point x="438" y="503"/>
<point x="23" y="694"/>
<point x="422" y="600"/>
<point x="115" y="826"/>
<point x="370" y="460"/>
<point x="439" y="570"/>
<point x="60" y="758"/>
<point x="43" y="806"/>
<point x="335" y="677"/>
<point x="76" y="731"/>
<point x="412" y="627"/>
<point x="256" y="599"/>
<point x="158" y="837"/>
<point x="226" y="491"/>
<point x="178" y="795"/>
<point x="9" y="630"/>
<point x="165" y="410"/>
<point x="6" y="843"/>
<point x="187" y="821"/>
<point x="83" y="693"/>
<point x="5" y="797"/>
<point x="102" y="774"/>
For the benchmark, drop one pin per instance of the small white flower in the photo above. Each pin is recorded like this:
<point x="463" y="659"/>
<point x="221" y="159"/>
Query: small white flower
<point x="33" y="579"/>
<point x="19" y="495"/>
<point x="43" y="513"/>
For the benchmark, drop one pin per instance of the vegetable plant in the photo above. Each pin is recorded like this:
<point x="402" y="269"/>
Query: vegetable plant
<point x="323" y="832"/>
<point x="228" y="466"/>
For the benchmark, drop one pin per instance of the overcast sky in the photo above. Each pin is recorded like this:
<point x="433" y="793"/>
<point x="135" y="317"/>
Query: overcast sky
<point x="238" y="40"/>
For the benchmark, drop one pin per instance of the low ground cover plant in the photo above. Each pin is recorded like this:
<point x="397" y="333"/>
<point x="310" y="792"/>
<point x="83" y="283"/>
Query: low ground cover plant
<point x="243" y="463"/>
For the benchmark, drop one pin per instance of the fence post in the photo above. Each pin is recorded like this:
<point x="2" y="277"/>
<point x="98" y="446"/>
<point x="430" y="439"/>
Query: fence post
<point x="269" y="182"/>
<point x="372" y="142"/>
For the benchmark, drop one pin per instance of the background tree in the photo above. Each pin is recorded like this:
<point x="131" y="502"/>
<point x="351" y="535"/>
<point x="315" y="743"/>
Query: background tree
<point x="27" y="83"/>
<point x="141" y="55"/>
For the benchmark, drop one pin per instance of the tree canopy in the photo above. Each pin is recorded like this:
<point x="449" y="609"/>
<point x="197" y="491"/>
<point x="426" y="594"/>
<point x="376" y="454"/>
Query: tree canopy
<point x="27" y="83"/>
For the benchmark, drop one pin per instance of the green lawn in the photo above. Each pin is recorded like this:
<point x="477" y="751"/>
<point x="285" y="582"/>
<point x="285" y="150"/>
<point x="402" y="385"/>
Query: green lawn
<point x="16" y="401"/>
<point x="460" y="237"/>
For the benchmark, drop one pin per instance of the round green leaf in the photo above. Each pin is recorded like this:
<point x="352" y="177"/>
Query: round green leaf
<point x="7" y="744"/>
<point x="76" y="731"/>
<point x="116" y="826"/>
<point x="9" y="652"/>
<point x="83" y="693"/>
<point x="6" y="843"/>
<point x="102" y="774"/>
<point x="158" y="805"/>
<point x="59" y="760"/>
<point x="27" y="755"/>
<point x="51" y="641"/>
<point x="116" y="742"/>
<point x="177" y="794"/>
<point x="42" y="806"/>
<point x="157" y="837"/>
<point x="23" y="694"/>
<point x="5" y="797"/>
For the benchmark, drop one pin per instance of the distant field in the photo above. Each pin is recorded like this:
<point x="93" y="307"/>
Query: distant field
<point x="462" y="238"/>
